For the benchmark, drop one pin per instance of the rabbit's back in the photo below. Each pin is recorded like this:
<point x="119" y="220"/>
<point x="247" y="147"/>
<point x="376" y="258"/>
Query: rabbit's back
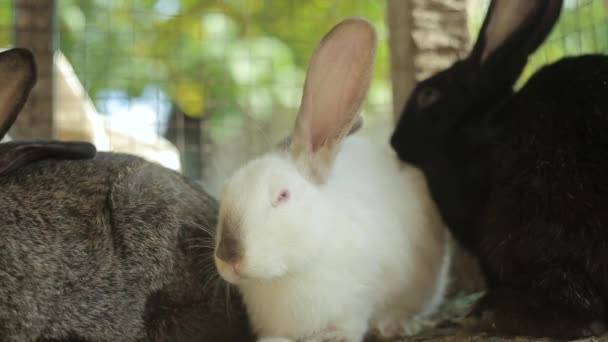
<point x="548" y="201"/>
<point x="85" y="244"/>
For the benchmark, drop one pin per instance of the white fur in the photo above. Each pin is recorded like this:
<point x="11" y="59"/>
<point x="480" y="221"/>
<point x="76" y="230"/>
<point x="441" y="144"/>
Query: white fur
<point x="342" y="255"/>
<point x="358" y="244"/>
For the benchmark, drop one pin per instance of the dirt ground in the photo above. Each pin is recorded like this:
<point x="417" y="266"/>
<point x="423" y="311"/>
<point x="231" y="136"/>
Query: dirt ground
<point x="450" y="329"/>
<point x="467" y="286"/>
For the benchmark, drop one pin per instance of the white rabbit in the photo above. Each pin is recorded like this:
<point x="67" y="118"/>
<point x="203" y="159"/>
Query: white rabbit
<point x="326" y="239"/>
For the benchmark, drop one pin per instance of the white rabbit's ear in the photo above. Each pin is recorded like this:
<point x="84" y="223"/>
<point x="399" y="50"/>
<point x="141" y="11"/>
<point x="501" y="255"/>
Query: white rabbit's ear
<point x="357" y="125"/>
<point x="336" y="84"/>
<point x="17" y="77"/>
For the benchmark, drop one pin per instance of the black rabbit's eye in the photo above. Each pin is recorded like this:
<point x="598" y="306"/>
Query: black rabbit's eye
<point x="427" y="96"/>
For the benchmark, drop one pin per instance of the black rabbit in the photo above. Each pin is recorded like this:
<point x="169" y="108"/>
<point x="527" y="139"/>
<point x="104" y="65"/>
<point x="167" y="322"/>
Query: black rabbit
<point x="108" y="247"/>
<point x="521" y="178"/>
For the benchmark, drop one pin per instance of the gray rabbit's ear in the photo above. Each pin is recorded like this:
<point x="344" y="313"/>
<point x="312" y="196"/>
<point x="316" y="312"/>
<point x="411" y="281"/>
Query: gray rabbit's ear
<point x="17" y="78"/>
<point x="14" y="155"/>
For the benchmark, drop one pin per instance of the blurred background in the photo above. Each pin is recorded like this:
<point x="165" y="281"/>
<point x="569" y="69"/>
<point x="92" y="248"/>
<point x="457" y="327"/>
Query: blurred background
<point x="203" y="86"/>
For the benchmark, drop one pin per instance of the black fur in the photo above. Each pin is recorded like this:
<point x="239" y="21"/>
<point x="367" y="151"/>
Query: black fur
<point x="521" y="181"/>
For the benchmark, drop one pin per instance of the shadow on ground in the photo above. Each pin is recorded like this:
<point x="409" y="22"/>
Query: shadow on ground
<point x="450" y="329"/>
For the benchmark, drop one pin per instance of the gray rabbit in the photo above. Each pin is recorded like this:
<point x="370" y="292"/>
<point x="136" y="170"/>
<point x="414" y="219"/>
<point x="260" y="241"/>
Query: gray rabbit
<point x="103" y="246"/>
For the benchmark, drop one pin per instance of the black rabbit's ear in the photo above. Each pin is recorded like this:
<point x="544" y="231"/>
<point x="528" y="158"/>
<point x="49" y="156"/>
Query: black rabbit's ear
<point x="17" y="78"/>
<point x="14" y="155"/>
<point x="511" y="31"/>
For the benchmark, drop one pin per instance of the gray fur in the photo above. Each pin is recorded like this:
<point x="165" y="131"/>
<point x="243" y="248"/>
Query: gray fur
<point x="112" y="248"/>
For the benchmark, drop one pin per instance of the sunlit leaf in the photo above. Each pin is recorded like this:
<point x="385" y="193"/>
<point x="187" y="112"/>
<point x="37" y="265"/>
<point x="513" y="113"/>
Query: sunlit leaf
<point x="74" y="19"/>
<point x="190" y="97"/>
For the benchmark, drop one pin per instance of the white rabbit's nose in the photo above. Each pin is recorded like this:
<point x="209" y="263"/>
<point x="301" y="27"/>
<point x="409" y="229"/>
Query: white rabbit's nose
<point x="229" y="249"/>
<point x="237" y="268"/>
<point x="231" y="272"/>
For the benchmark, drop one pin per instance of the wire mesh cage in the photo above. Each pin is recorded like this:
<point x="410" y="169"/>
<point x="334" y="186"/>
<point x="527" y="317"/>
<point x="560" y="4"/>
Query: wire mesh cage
<point x="202" y="86"/>
<point x="219" y="80"/>
<point x="581" y="28"/>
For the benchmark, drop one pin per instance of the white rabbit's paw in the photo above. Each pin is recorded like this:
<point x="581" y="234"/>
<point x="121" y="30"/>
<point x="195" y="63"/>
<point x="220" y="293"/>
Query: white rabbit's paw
<point x="331" y="336"/>
<point x="414" y="326"/>
<point x="400" y="326"/>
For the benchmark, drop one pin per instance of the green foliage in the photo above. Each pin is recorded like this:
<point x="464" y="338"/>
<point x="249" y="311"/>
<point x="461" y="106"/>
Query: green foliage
<point x="236" y="60"/>
<point x="6" y="22"/>
<point x="224" y="59"/>
<point x="581" y="29"/>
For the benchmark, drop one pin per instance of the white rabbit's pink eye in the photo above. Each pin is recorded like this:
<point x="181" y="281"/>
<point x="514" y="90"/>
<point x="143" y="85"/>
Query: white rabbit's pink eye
<point x="283" y="196"/>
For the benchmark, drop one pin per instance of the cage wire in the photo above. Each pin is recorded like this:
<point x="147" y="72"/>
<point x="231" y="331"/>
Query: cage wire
<point x="582" y="28"/>
<point x="203" y="86"/>
<point x="219" y="80"/>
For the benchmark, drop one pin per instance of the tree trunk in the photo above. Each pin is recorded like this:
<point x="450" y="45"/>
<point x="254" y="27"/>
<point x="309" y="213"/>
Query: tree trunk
<point x="427" y="36"/>
<point x="34" y="29"/>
